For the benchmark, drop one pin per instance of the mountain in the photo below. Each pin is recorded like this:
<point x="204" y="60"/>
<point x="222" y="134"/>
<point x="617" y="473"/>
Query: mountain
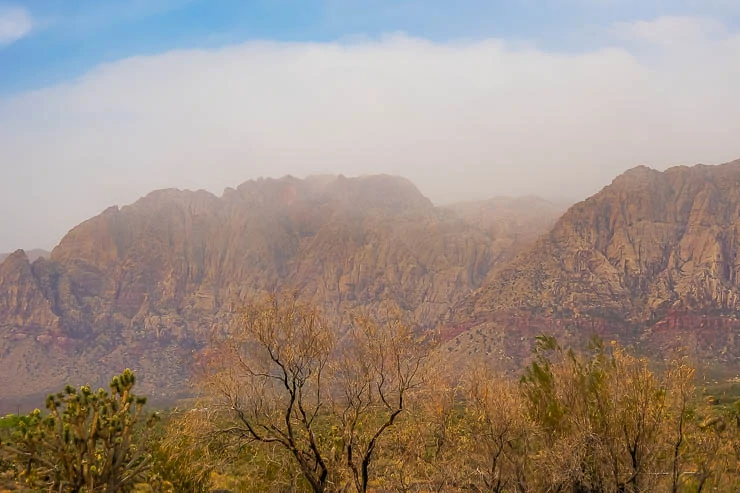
<point x="145" y="285"/>
<point x="652" y="259"/>
<point x="512" y="223"/>
<point x="32" y="255"/>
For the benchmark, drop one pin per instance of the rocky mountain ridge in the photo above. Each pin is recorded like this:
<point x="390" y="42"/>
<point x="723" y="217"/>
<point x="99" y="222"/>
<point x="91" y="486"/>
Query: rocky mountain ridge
<point x="651" y="259"/>
<point x="145" y="284"/>
<point x="32" y="255"/>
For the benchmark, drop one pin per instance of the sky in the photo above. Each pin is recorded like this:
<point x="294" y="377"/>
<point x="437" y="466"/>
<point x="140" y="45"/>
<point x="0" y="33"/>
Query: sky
<point x="103" y="101"/>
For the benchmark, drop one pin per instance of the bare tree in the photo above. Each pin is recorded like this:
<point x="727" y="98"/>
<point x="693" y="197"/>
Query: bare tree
<point x="680" y="383"/>
<point x="280" y="378"/>
<point x="504" y="435"/>
<point x="377" y="368"/>
<point x="423" y="453"/>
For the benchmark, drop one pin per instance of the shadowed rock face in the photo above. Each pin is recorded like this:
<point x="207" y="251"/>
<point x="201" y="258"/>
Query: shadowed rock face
<point x="144" y="285"/>
<point x="22" y="300"/>
<point x="654" y="251"/>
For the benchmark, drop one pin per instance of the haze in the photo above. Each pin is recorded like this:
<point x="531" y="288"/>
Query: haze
<point x="467" y="114"/>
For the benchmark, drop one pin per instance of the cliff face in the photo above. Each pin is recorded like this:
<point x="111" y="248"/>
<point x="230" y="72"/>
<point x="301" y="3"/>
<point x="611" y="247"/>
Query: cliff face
<point x="645" y="244"/>
<point x="22" y="300"/>
<point x="171" y="263"/>
<point x="653" y="251"/>
<point x="143" y="285"/>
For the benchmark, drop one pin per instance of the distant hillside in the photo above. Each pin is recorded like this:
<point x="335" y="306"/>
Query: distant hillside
<point x="144" y="285"/>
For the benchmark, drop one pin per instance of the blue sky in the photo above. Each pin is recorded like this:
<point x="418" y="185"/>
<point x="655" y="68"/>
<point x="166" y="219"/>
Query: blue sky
<point x="102" y="102"/>
<point x="67" y="38"/>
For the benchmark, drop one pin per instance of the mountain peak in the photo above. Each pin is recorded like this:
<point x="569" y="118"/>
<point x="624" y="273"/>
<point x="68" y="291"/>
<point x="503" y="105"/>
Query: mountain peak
<point x="638" y="177"/>
<point x="650" y="241"/>
<point x="19" y="255"/>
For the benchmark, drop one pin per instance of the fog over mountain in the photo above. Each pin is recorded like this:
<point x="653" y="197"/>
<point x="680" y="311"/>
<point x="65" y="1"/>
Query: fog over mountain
<point x="370" y="245"/>
<point x="463" y="119"/>
<point x="166" y="271"/>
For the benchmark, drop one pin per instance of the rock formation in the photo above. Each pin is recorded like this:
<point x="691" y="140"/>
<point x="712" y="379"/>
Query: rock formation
<point x="145" y="285"/>
<point x="651" y="259"/>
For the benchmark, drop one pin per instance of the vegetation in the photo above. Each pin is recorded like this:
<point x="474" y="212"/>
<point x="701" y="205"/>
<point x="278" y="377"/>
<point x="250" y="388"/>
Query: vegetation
<point x="290" y="405"/>
<point x="86" y="441"/>
<point x="282" y="379"/>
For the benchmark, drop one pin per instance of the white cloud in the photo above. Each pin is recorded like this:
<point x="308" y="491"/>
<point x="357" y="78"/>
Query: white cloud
<point x="15" y="23"/>
<point x="462" y="120"/>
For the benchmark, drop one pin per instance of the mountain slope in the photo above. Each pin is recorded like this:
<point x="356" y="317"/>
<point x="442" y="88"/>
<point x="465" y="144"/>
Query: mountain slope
<point x="653" y="251"/>
<point x="512" y="223"/>
<point x="144" y="285"/>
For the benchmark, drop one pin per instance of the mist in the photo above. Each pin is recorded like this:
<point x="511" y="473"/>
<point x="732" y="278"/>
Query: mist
<point x="468" y="119"/>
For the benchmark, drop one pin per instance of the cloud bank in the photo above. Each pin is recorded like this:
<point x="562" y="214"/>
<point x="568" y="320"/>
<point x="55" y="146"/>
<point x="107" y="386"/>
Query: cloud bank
<point x="468" y="119"/>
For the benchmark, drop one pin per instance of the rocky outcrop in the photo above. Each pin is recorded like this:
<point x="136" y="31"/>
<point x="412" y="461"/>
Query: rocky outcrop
<point x="22" y="300"/>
